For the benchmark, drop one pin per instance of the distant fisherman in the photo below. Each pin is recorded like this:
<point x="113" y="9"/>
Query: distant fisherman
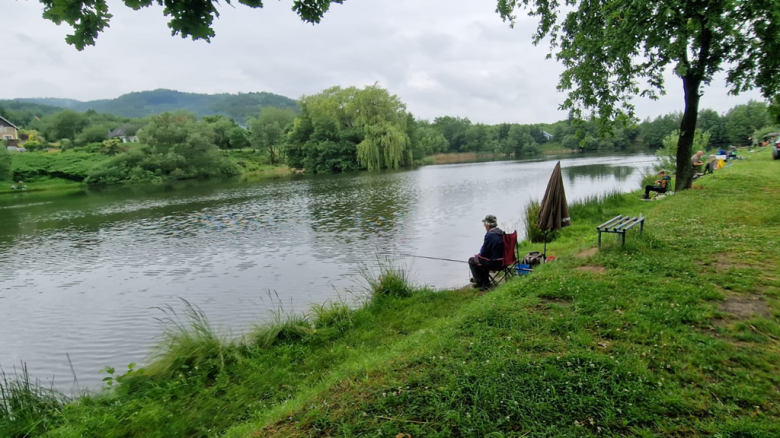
<point x="490" y="255"/>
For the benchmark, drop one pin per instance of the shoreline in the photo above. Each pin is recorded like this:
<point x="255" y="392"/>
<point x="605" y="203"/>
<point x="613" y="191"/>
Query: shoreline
<point x="670" y="335"/>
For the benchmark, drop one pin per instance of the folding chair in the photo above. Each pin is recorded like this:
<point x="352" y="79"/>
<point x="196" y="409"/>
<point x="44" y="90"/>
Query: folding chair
<point x="508" y="262"/>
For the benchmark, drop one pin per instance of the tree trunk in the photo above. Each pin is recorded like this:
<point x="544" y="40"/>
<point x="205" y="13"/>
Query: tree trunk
<point x="691" y="84"/>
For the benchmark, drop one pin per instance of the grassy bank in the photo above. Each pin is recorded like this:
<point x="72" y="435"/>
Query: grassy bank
<point x="66" y="171"/>
<point x="676" y="334"/>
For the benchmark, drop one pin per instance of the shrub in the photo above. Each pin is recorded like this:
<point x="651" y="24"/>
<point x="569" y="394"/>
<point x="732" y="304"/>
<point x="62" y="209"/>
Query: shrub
<point x="532" y="231"/>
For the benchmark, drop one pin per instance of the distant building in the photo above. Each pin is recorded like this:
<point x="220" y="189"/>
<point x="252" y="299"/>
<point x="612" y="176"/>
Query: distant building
<point x="8" y="132"/>
<point x="547" y="135"/>
<point x="120" y="134"/>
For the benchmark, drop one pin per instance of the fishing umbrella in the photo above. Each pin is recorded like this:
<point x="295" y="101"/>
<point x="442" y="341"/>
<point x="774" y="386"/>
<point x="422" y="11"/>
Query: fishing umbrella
<point x="554" y="211"/>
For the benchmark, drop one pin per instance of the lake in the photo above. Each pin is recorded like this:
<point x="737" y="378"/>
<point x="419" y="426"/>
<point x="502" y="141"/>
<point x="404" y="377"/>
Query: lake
<point x="83" y="276"/>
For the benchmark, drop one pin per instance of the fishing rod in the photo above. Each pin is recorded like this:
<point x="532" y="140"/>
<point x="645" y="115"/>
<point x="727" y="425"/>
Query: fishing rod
<point x="433" y="258"/>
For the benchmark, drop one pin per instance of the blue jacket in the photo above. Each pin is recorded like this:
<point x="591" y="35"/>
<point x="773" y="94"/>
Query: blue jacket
<point x="493" y="247"/>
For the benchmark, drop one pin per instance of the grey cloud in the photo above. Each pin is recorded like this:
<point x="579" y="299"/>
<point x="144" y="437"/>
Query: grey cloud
<point x="442" y="57"/>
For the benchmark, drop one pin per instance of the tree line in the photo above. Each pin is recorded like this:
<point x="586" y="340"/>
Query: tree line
<point x="336" y="130"/>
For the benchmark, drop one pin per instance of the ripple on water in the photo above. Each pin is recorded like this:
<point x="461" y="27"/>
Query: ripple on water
<point x="89" y="274"/>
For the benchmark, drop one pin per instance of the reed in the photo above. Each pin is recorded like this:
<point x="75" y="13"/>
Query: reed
<point x="27" y="408"/>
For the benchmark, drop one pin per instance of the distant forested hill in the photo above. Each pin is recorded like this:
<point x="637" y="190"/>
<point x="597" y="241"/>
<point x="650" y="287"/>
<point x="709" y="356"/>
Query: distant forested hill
<point x="144" y="103"/>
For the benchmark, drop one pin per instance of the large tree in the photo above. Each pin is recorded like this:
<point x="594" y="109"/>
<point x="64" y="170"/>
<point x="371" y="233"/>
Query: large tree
<point x="613" y="50"/>
<point x="190" y="18"/>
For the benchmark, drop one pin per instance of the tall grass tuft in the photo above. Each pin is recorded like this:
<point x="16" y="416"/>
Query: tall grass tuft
<point x="189" y="342"/>
<point x="26" y="407"/>
<point x="593" y="207"/>
<point x="284" y="327"/>
<point x="335" y="315"/>
<point x="532" y="231"/>
<point x="389" y="281"/>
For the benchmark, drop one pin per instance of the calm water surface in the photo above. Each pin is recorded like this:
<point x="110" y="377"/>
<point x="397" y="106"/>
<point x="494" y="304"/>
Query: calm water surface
<point x="84" y="274"/>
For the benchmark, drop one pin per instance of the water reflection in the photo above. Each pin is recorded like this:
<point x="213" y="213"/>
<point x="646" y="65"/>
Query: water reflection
<point x="598" y="172"/>
<point x="80" y="274"/>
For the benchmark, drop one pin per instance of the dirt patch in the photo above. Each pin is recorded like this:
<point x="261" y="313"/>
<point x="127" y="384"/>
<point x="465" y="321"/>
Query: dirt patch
<point x="724" y="262"/>
<point x="591" y="268"/>
<point x="558" y="301"/>
<point x="586" y="253"/>
<point x="743" y="307"/>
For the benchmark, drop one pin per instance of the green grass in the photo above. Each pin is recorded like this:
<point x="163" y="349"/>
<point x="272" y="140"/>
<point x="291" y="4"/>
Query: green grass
<point x="675" y="334"/>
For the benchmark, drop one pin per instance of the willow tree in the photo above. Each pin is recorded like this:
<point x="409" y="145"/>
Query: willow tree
<point x="614" y="50"/>
<point x="383" y="118"/>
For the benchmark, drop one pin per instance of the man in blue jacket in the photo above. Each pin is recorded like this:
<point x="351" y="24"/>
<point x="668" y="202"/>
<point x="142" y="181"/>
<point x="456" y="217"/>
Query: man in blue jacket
<point x="490" y="256"/>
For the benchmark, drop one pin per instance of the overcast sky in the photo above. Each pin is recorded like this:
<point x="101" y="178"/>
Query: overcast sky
<point x="442" y="57"/>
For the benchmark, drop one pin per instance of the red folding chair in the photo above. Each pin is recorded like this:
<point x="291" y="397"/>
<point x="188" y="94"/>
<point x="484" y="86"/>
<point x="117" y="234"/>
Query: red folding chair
<point x="508" y="262"/>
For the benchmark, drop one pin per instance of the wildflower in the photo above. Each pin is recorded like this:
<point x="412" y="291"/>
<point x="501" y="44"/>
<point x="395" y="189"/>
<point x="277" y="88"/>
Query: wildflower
<point x="592" y="366"/>
<point x="576" y="423"/>
<point x="591" y="421"/>
<point x="668" y="366"/>
<point x="568" y="337"/>
<point x="468" y="415"/>
<point x="384" y="394"/>
<point x="568" y="364"/>
<point x="612" y="357"/>
<point x="441" y="357"/>
<point x="502" y="374"/>
<point x="487" y="361"/>
<point x="507" y="417"/>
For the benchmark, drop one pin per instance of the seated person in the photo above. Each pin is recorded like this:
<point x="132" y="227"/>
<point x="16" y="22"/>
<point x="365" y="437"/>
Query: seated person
<point x="490" y="256"/>
<point x="661" y="185"/>
<point x="711" y="165"/>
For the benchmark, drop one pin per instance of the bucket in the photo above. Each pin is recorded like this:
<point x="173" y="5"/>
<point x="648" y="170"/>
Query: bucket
<point x="523" y="269"/>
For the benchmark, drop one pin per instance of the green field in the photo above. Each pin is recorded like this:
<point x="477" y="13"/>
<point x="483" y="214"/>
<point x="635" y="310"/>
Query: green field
<point x="675" y="334"/>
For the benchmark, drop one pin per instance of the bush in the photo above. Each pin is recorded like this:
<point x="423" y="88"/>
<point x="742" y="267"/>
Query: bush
<point x="532" y="231"/>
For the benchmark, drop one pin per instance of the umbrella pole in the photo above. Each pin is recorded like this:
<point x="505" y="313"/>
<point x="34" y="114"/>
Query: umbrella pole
<point x="545" y="245"/>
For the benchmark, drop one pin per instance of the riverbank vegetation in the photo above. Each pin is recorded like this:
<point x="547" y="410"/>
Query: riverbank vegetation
<point x="337" y="130"/>
<point x="674" y="334"/>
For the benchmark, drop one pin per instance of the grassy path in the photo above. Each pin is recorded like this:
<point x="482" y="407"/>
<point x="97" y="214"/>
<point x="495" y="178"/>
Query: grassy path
<point x="676" y="334"/>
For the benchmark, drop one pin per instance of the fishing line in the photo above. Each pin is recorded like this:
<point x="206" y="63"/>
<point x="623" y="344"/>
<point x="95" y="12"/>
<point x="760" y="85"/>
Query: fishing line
<point x="433" y="258"/>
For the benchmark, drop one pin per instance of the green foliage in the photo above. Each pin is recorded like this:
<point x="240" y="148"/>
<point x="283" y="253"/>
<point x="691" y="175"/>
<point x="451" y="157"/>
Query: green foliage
<point x="72" y="166"/>
<point x="619" y="49"/>
<point x="532" y="231"/>
<point x="90" y="17"/>
<point x="653" y="132"/>
<point x="667" y="156"/>
<point x="345" y="129"/>
<point x="179" y="148"/>
<point x="388" y="280"/>
<point x="743" y="120"/>
<point x="5" y="162"/>
<point x="22" y="113"/>
<point x="189" y="343"/>
<point x="92" y="134"/>
<point x="239" y="106"/>
<point x="26" y="407"/>
<point x="269" y="131"/>
<point x="111" y="147"/>
<point x="283" y="328"/>
<point x="64" y="124"/>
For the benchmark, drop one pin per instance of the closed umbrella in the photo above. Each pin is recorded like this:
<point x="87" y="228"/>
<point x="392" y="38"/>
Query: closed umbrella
<point x="554" y="211"/>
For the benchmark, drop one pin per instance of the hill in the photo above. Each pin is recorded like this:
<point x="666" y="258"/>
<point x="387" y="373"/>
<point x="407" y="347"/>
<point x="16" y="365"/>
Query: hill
<point x="145" y="103"/>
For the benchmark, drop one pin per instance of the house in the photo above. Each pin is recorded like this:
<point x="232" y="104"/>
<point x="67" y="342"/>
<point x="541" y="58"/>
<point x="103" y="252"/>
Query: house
<point x="8" y="132"/>
<point x="120" y="134"/>
<point x="547" y="135"/>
